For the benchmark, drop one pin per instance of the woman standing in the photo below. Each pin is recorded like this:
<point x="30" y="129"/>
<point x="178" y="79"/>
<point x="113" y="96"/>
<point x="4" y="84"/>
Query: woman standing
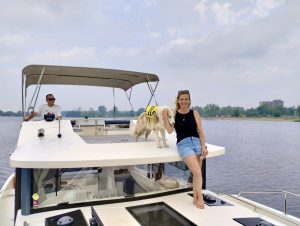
<point x="190" y="140"/>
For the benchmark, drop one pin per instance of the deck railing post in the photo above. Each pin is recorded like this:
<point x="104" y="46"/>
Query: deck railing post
<point x="203" y="171"/>
<point x="285" y="202"/>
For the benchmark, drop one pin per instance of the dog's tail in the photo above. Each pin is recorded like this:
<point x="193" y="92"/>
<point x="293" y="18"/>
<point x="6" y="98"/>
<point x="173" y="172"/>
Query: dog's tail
<point x="139" y="125"/>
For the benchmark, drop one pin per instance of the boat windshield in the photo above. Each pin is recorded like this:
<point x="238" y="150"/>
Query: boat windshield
<point x="56" y="187"/>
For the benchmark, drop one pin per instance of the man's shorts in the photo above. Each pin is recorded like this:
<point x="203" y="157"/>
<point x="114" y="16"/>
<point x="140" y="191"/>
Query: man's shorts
<point x="189" y="146"/>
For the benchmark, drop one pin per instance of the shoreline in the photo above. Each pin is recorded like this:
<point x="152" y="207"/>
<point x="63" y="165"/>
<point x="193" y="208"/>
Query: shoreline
<point x="212" y="118"/>
<point x="254" y="119"/>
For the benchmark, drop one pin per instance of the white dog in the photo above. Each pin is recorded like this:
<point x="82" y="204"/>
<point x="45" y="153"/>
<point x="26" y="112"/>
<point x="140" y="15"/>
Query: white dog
<point x="152" y="120"/>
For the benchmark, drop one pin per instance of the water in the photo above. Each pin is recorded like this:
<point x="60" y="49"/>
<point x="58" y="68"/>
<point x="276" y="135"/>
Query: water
<point x="260" y="156"/>
<point x="9" y="133"/>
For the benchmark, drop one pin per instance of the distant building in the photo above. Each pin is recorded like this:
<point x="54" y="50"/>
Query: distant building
<point x="274" y="103"/>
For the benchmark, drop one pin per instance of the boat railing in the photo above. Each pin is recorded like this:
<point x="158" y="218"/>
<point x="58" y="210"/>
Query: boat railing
<point x="285" y="195"/>
<point x="98" y="126"/>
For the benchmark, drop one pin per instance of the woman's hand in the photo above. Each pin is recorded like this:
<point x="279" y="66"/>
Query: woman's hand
<point x="165" y="117"/>
<point x="204" y="151"/>
<point x="165" y="114"/>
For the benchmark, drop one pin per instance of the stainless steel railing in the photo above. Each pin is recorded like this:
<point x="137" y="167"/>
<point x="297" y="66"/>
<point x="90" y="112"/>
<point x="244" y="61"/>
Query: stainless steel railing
<point x="285" y="194"/>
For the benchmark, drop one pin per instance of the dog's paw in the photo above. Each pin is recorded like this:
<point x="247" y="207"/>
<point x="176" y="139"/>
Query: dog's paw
<point x="159" y="146"/>
<point x="166" y="146"/>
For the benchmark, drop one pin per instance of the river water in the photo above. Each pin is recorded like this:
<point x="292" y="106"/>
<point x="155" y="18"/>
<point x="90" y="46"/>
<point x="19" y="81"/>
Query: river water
<point x="260" y="156"/>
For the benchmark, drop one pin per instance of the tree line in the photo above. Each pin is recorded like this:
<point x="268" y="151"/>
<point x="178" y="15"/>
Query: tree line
<point x="265" y="110"/>
<point x="210" y="110"/>
<point x="10" y="113"/>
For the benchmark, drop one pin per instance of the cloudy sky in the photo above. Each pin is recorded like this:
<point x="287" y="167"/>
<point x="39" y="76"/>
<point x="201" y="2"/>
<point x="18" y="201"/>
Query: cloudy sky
<point x="236" y="52"/>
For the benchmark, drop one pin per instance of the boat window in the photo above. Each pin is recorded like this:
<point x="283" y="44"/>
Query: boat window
<point x="54" y="187"/>
<point x="158" y="214"/>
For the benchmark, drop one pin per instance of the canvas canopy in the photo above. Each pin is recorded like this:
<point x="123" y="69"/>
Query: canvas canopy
<point x="65" y="75"/>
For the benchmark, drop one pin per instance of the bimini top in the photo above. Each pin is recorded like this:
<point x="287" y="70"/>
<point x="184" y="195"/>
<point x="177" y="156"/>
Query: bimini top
<point x="66" y="75"/>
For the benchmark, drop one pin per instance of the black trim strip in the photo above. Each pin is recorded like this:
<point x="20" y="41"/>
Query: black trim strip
<point x="17" y="193"/>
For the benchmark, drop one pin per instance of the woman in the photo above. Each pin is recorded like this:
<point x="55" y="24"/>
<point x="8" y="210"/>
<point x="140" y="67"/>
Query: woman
<point x="190" y="140"/>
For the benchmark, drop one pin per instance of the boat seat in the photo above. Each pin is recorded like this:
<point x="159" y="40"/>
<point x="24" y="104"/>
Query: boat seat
<point x="106" y="183"/>
<point x="116" y="122"/>
<point x="76" y="126"/>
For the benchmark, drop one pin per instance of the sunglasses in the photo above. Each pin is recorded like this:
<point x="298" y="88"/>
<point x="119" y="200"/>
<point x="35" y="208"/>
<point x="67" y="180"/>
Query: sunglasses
<point x="183" y="92"/>
<point x="51" y="99"/>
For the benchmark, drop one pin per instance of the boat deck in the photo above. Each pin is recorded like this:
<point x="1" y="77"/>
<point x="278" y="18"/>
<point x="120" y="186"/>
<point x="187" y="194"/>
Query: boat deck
<point x="118" y="214"/>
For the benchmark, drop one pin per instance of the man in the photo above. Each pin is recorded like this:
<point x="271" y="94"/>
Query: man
<point x="47" y="109"/>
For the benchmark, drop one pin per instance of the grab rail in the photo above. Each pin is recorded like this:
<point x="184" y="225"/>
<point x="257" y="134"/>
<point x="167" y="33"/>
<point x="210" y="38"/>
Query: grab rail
<point x="285" y="193"/>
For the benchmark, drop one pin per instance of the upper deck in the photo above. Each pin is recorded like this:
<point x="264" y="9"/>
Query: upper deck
<point x="71" y="151"/>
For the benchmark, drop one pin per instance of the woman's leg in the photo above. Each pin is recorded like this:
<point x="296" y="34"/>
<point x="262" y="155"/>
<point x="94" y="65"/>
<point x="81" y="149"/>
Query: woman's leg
<point x="194" y="165"/>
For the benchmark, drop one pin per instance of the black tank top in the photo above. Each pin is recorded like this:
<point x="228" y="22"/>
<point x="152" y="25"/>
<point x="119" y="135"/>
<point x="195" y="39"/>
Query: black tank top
<point x="185" y="125"/>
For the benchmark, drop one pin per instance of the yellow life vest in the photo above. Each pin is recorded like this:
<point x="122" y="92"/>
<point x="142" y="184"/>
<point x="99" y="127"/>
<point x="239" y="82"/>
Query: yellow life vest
<point x="149" y="112"/>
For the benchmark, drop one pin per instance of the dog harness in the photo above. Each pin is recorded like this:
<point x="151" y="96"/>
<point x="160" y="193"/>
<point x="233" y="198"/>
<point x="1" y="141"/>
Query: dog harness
<point x="149" y="112"/>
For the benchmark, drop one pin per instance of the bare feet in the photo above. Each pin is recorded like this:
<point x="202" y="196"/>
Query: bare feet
<point x="199" y="203"/>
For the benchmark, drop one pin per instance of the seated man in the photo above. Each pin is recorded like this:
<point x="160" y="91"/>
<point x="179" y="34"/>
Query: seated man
<point x="47" y="109"/>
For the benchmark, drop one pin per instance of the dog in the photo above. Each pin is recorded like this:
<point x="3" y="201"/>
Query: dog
<point x="152" y="120"/>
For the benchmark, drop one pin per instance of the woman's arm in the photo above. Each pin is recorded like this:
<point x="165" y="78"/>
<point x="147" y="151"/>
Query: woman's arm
<point x="200" y="132"/>
<point x="168" y="126"/>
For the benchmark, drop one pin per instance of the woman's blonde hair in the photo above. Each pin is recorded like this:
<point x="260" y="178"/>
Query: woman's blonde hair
<point x="180" y="92"/>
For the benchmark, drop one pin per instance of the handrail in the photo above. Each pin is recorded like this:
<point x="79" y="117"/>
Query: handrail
<point x="285" y="193"/>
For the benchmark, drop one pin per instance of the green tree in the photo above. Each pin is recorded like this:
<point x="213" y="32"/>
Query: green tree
<point x="102" y="111"/>
<point x="140" y="111"/>
<point x="298" y="111"/>
<point x="290" y="111"/>
<point x="236" y="113"/>
<point x="252" y="112"/>
<point x="199" y="109"/>
<point x="211" y="110"/>
<point x="264" y="110"/>
<point x="226" y="111"/>
<point x="71" y="114"/>
<point x="277" y="111"/>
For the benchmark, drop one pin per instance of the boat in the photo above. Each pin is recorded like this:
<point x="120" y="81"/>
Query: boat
<point x="93" y="172"/>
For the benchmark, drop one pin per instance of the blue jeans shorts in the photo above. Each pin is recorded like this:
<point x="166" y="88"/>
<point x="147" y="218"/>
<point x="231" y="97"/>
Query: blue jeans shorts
<point x="189" y="146"/>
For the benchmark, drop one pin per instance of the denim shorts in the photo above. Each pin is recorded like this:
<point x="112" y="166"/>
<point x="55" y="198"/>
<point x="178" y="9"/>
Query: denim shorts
<point x="189" y="146"/>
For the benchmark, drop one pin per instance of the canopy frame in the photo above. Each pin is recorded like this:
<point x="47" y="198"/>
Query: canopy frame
<point x="65" y="75"/>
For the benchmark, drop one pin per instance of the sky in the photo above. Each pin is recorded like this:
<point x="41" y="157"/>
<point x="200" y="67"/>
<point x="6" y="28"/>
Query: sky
<point x="236" y="53"/>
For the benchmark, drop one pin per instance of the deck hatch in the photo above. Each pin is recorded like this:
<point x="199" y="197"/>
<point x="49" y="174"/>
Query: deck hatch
<point x="211" y="200"/>
<point x="158" y="214"/>
<point x="253" y="221"/>
<point x="76" y="216"/>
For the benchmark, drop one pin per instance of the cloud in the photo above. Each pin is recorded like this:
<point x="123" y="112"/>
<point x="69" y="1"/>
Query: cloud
<point x="13" y="40"/>
<point x="220" y="47"/>
<point x="262" y="8"/>
<point x="222" y="13"/>
<point x="128" y="8"/>
<point x="201" y="9"/>
<point x="73" y="55"/>
<point x="225" y="14"/>
<point x="121" y="52"/>
<point x="149" y="3"/>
